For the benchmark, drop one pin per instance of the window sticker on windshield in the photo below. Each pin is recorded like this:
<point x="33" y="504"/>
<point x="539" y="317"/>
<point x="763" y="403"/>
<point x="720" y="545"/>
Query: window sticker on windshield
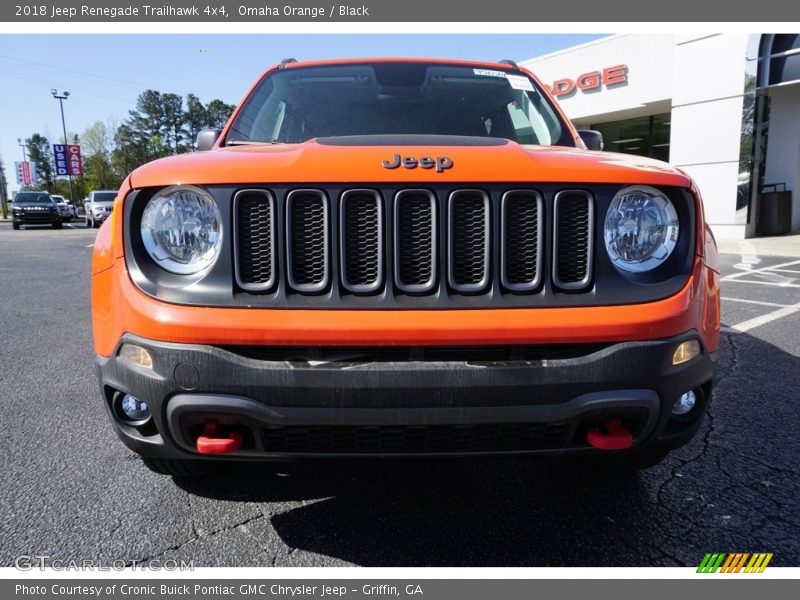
<point x="520" y="82"/>
<point x="488" y="73"/>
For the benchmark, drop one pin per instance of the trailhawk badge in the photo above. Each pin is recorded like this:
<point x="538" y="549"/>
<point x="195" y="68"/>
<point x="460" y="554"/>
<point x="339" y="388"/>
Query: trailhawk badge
<point x="440" y="163"/>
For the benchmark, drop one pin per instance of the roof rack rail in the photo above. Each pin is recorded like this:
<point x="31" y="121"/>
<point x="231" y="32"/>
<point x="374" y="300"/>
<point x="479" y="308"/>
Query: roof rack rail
<point x="505" y="61"/>
<point x="286" y="61"/>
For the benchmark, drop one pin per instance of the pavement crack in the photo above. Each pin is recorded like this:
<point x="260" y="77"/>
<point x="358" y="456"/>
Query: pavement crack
<point x="191" y="517"/>
<point x="196" y="536"/>
<point x="682" y="463"/>
<point x="244" y="531"/>
<point x="733" y="364"/>
<point x="731" y="367"/>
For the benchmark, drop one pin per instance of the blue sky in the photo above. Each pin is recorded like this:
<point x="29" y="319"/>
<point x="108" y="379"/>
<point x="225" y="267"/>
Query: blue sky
<point x="105" y="73"/>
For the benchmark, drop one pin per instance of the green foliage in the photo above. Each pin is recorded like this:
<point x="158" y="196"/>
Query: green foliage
<point x="3" y="189"/>
<point x="217" y="114"/>
<point x="162" y="125"/>
<point x="99" y="173"/>
<point x="159" y="126"/>
<point x="196" y="116"/>
<point x="41" y="152"/>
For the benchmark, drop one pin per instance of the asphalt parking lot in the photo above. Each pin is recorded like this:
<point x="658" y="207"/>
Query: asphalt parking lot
<point x="71" y="490"/>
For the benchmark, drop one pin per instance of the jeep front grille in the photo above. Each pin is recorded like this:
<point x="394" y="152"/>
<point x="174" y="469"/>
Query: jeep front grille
<point x="361" y="245"/>
<point x="412" y="242"/>
<point x="308" y="234"/>
<point x="415" y="234"/>
<point x="574" y="222"/>
<point x="468" y="235"/>
<point x="522" y="229"/>
<point x="254" y="239"/>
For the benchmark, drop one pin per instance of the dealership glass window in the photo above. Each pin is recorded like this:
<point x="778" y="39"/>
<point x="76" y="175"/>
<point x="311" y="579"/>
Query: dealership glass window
<point x="784" y="64"/>
<point x="645" y="136"/>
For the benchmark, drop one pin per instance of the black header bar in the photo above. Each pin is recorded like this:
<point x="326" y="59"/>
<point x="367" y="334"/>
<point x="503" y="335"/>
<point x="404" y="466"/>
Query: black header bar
<point x="468" y="11"/>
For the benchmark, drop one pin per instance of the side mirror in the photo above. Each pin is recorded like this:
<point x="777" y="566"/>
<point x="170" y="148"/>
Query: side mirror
<point x="592" y="139"/>
<point x="207" y="138"/>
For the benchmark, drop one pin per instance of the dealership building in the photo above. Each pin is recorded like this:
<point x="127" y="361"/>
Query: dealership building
<point x="724" y="108"/>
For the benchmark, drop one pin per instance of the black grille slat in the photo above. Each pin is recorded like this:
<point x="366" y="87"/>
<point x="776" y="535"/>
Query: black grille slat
<point x="255" y="241"/>
<point x="307" y="236"/>
<point x="362" y="241"/>
<point x="400" y="439"/>
<point x="574" y="222"/>
<point x="415" y="241"/>
<point x="469" y="241"/>
<point x="522" y="231"/>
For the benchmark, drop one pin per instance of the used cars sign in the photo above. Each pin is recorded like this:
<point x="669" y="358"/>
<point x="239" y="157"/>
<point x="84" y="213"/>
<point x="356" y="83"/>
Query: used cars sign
<point x="68" y="159"/>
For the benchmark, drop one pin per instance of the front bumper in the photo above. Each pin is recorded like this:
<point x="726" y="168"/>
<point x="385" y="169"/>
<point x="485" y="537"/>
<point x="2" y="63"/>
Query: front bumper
<point x="36" y="218"/>
<point x="287" y="407"/>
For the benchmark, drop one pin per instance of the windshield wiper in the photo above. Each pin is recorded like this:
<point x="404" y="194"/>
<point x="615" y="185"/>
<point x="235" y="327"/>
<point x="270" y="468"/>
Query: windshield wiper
<point x="250" y="143"/>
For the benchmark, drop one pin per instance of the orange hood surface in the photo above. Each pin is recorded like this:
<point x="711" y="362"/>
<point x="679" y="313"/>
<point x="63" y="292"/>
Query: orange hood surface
<point x="313" y="162"/>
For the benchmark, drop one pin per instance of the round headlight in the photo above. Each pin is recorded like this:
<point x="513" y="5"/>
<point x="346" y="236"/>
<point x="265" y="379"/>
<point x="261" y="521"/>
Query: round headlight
<point x="641" y="229"/>
<point x="182" y="229"/>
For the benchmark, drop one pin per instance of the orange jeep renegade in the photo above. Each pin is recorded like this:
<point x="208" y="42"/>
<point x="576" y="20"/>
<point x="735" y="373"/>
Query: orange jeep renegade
<point x="403" y="257"/>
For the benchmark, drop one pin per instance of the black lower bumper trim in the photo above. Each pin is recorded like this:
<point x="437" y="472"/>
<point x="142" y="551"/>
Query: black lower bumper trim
<point x="352" y="431"/>
<point x="291" y="408"/>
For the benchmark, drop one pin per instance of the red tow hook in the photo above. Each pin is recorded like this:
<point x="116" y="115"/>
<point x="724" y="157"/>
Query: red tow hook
<point x="211" y="442"/>
<point x="615" y="437"/>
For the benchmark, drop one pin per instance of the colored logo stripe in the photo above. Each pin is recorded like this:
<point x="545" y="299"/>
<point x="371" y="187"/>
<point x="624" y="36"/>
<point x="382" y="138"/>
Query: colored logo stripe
<point x="758" y="563"/>
<point x="734" y="562"/>
<point x="711" y="562"/>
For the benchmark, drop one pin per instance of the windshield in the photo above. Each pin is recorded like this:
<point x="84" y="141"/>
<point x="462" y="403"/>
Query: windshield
<point x="295" y="105"/>
<point x="104" y="197"/>
<point x="33" y="198"/>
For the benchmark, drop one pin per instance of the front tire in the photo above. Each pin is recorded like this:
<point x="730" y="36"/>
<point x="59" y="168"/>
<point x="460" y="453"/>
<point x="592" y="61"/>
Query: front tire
<point x="177" y="468"/>
<point x="56" y="224"/>
<point x="88" y="223"/>
<point x="15" y="226"/>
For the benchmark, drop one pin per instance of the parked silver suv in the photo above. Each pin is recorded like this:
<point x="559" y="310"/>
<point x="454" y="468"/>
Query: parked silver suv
<point x="98" y="206"/>
<point x="66" y="209"/>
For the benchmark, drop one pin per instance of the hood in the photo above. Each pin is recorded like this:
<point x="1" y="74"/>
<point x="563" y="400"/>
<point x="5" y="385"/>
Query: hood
<point x="360" y="160"/>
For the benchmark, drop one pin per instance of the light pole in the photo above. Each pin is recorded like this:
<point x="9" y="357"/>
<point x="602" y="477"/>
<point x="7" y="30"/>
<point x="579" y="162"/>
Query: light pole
<point x="61" y="99"/>
<point x="24" y="146"/>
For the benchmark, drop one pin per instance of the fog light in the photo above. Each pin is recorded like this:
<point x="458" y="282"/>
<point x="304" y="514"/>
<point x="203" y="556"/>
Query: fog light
<point x="135" y="410"/>
<point x="684" y="404"/>
<point x="136" y="355"/>
<point x="685" y="352"/>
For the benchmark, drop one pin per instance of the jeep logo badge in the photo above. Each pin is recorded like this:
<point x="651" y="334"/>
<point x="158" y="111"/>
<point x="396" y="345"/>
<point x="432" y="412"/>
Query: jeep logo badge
<point x="425" y="162"/>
